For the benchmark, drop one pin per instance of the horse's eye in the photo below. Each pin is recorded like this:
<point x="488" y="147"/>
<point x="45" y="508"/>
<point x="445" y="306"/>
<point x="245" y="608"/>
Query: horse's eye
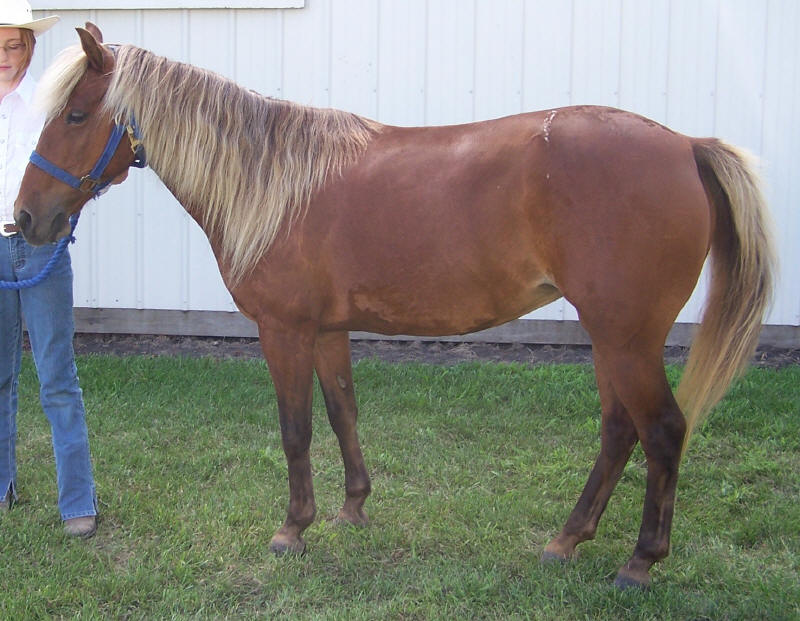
<point x="76" y="117"/>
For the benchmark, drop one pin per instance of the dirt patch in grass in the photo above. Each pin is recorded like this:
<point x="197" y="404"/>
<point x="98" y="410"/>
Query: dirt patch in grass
<point x="433" y="352"/>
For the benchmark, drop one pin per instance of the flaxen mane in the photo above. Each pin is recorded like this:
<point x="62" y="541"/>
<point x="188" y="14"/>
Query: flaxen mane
<point x="258" y="160"/>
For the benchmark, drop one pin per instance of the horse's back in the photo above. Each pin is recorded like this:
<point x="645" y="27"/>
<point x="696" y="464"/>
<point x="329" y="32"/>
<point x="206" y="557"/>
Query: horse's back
<point x="431" y="232"/>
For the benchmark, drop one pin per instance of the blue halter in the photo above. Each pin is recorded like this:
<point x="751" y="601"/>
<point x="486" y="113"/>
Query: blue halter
<point x="91" y="183"/>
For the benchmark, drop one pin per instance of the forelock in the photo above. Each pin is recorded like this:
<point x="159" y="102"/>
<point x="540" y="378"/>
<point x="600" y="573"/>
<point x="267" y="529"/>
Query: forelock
<point x="59" y="80"/>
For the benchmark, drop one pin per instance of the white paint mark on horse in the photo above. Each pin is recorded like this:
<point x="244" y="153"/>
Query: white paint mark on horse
<point x="548" y="121"/>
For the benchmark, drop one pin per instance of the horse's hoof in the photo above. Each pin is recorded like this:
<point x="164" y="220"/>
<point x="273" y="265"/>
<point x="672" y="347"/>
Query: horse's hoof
<point x="281" y="546"/>
<point x="548" y="557"/>
<point x="555" y="552"/>
<point x="625" y="580"/>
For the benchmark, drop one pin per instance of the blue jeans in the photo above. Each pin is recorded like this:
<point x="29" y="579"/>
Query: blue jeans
<point x="47" y="311"/>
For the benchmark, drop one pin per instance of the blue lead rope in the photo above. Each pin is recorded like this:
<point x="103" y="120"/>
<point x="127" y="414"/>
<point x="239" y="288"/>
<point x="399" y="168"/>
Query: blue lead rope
<point x="48" y="269"/>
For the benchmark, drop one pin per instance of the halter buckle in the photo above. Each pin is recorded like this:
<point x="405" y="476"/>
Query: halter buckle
<point x="88" y="184"/>
<point x="135" y="140"/>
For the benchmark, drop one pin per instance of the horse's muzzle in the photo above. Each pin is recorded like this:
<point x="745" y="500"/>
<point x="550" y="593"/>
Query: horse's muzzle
<point x="38" y="235"/>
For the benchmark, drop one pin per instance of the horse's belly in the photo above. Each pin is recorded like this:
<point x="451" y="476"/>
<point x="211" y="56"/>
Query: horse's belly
<point x="442" y="312"/>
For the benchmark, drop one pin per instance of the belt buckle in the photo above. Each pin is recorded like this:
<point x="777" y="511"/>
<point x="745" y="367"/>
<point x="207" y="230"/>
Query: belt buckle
<point x="8" y="233"/>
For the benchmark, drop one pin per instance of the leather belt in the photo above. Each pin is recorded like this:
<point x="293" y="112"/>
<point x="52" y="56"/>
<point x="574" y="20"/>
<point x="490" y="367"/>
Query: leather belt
<point x="9" y="229"/>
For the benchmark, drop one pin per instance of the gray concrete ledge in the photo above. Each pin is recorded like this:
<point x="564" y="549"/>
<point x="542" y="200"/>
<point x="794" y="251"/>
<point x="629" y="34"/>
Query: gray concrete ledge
<point x="229" y="324"/>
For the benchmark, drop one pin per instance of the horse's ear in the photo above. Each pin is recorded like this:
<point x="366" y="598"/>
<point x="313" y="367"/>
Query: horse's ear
<point x="95" y="31"/>
<point x="99" y="57"/>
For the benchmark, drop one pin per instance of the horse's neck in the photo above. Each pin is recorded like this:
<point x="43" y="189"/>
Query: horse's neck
<point x="190" y="205"/>
<point x="195" y="211"/>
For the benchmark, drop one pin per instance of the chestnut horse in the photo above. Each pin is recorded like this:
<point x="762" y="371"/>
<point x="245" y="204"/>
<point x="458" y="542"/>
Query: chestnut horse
<point x="322" y="222"/>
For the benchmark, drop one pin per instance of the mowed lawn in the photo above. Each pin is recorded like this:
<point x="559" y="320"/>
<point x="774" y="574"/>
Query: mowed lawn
<point x="474" y="467"/>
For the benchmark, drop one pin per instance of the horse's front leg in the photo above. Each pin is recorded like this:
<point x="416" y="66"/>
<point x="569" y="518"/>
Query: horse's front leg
<point x="334" y="370"/>
<point x="289" y="354"/>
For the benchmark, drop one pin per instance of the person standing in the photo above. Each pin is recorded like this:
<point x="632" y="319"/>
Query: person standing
<point x="46" y="308"/>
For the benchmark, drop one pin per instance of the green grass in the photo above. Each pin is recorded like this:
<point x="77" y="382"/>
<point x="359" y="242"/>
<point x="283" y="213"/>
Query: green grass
<point x="474" y="468"/>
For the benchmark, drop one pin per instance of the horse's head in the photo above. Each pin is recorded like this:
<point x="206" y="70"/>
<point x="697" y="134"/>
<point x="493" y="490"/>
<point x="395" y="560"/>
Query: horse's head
<point x="77" y="154"/>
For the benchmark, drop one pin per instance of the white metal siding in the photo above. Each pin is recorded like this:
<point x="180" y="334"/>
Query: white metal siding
<point x="727" y="68"/>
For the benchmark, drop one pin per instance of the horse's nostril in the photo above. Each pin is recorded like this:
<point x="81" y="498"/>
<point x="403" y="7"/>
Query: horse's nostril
<point x="57" y="226"/>
<point x="23" y="220"/>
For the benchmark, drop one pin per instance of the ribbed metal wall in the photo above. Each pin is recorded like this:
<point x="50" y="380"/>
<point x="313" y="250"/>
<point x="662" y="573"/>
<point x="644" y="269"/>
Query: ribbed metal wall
<point x="728" y="68"/>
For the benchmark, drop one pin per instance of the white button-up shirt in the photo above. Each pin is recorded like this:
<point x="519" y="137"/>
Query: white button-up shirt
<point x="20" y="127"/>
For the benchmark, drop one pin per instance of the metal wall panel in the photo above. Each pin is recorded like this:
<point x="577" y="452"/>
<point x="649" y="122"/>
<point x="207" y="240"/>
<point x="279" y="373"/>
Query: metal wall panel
<point x="705" y="67"/>
<point x="401" y="76"/>
<point x="780" y="149"/>
<point x="354" y="27"/>
<point x="450" y="62"/>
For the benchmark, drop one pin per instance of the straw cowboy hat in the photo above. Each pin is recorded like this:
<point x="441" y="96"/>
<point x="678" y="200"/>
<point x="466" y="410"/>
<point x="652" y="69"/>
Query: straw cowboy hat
<point x="18" y="14"/>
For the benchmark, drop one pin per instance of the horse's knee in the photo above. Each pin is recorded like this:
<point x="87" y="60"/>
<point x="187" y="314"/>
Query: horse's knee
<point x="296" y="440"/>
<point x="618" y="437"/>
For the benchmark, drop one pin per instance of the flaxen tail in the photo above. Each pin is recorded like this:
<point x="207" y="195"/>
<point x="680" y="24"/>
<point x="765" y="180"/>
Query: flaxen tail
<point x="742" y="263"/>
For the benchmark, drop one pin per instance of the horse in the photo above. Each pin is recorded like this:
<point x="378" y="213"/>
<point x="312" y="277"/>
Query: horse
<point x="323" y="222"/>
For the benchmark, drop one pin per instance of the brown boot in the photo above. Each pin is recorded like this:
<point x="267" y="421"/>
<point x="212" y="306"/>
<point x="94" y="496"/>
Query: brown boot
<point x="81" y="527"/>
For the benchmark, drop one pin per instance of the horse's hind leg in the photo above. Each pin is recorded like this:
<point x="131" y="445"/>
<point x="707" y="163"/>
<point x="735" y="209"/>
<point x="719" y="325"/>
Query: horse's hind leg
<point x="618" y="437"/>
<point x="332" y="362"/>
<point x="637" y="375"/>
